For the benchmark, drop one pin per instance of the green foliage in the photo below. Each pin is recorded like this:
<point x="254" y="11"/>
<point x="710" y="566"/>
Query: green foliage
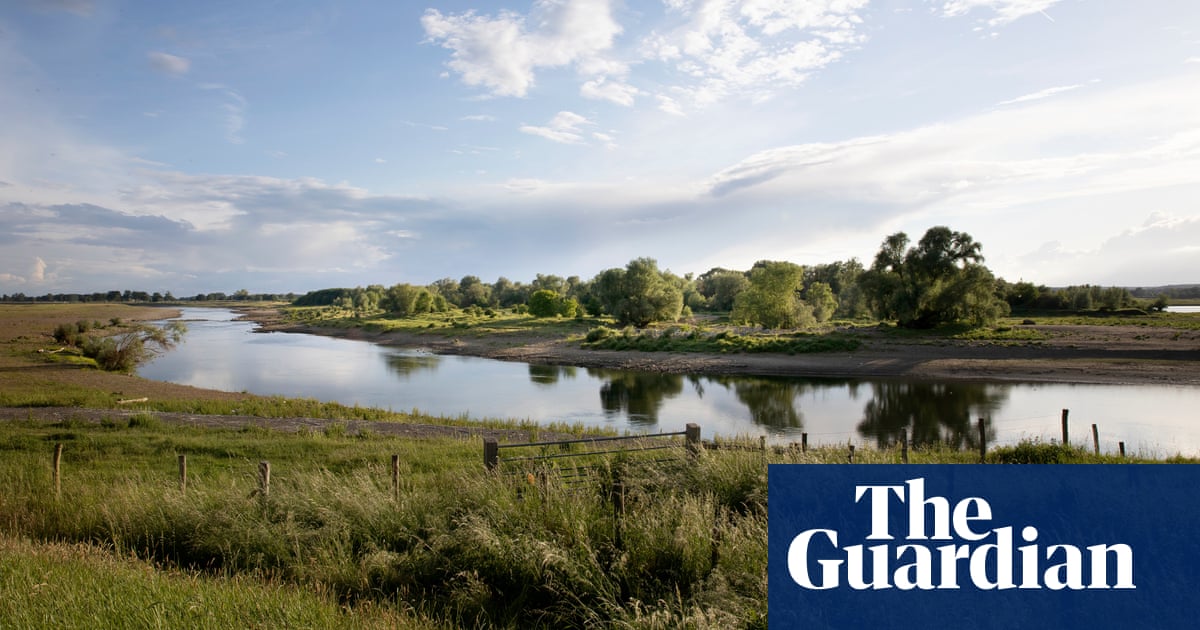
<point x="639" y="294"/>
<point x="820" y="297"/>
<point x="940" y="280"/>
<point x="1037" y="452"/>
<point x="724" y="341"/>
<point x="773" y="297"/>
<point x="548" y="303"/>
<point x="126" y="350"/>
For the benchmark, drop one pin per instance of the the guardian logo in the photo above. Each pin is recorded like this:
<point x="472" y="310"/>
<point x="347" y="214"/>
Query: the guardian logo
<point x="948" y="545"/>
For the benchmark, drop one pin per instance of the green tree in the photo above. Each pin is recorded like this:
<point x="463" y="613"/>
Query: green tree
<point x="126" y="350"/>
<point x="942" y="279"/>
<point x="820" y="297"/>
<point x="720" y="287"/>
<point x="639" y="294"/>
<point x="545" y="303"/>
<point x="773" y="297"/>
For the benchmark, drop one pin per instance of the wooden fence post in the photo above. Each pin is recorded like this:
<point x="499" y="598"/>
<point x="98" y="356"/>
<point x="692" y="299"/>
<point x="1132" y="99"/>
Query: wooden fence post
<point x="1065" y="435"/>
<point x="264" y="478"/>
<point x="58" y="469"/>
<point x="803" y="442"/>
<point x="491" y="453"/>
<point x="982" y="443"/>
<point x="904" y="446"/>
<point x="1121" y="445"/>
<point x="182" y="473"/>
<point x="1096" y="439"/>
<point x="762" y="443"/>
<point x="395" y="477"/>
<point x="692" y="437"/>
<point x="850" y="457"/>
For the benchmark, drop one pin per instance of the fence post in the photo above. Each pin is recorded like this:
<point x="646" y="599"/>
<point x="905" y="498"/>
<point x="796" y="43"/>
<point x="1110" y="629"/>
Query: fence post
<point x="57" y="469"/>
<point x="1065" y="436"/>
<point x="692" y="436"/>
<point x="762" y="443"/>
<point x="850" y="457"/>
<point x="803" y="442"/>
<point x="395" y="477"/>
<point x="1121" y="444"/>
<point x="182" y="472"/>
<point x="1096" y="439"/>
<point x="982" y="443"/>
<point x="491" y="453"/>
<point x="264" y="478"/>
<point x="904" y="446"/>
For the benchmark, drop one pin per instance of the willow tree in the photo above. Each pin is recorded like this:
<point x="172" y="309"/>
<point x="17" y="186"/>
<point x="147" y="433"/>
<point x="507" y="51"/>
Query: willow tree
<point x="639" y="294"/>
<point x="940" y="280"/>
<point x="773" y="297"/>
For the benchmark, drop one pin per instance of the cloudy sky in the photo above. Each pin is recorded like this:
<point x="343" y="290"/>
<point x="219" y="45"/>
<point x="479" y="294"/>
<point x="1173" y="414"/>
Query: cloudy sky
<point x="292" y="145"/>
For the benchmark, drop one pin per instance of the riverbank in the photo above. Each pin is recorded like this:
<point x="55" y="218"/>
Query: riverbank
<point x="1061" y="353"/>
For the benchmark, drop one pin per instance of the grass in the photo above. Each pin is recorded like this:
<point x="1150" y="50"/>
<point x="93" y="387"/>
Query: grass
<point x="722" y="340"/>
<point x="84" y="586"/>
<point x="332" y="546"/>
<point x="458" y="546"/>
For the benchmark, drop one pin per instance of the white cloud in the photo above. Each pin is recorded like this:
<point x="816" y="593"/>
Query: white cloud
<point x="563" y="128"/>
<point x="504" y="52"/>
<point x="1192" y="60"/>
<point x="1046" y="93"/>
<point x="1006" y="11"/>
<point x="38" y="273"/>
<point x="753" y="48"/>
<point x="169" y="64"/>
<point x="606" y="90"/>
<point x="479" y="118"/>
<point x="234" y="111"/>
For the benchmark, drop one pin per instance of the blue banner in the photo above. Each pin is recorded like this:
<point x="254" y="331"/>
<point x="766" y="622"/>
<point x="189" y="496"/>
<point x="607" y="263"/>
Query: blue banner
<point x="984" y="546"/>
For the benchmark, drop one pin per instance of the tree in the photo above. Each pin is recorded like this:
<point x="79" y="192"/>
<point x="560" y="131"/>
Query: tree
<point x="721" y="286"/>
<point x="547" y="303"/>
<point x="942" y="279"/>
<point x="820" y="297"/>
<point x="773" y="297"/>
<point x="124" y="351"/>
<point x="638" y="294"/>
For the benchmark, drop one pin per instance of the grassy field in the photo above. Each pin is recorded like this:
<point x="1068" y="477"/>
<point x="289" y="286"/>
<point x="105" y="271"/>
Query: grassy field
<point x="333" y="544"/>
<point x="119" y="543"/>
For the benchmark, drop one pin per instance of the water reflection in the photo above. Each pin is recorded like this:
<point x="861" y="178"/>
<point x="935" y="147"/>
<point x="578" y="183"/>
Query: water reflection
<point x="405" y="365"/>
<point x="931" y="412"/>
<point x="638" y="395"/>
<point x="772" y="402"/>
<point x="549" y="375"/>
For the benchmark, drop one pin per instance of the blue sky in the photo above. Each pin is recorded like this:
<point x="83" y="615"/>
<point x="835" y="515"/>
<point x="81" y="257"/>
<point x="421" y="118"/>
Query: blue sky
<point x="289" y="146"/>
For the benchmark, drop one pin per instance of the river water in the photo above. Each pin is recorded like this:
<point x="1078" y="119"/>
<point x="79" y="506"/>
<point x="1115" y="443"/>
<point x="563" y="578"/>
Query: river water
<point x="220" y="352"/>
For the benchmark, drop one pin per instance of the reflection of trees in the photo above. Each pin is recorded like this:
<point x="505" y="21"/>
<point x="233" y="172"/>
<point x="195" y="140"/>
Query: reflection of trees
<point x="771" y="401"/>
<point x="405" y="365"/>
<point x="640" y="395"/>
<point x="549" y="375"/>
<point x="930" y="412"/>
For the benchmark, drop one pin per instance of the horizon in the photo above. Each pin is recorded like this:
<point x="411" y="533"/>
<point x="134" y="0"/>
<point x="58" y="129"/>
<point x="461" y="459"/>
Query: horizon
<point x="198" y="148"/>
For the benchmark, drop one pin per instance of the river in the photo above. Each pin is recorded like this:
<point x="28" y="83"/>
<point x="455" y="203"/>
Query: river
<point x="221" y="352"/>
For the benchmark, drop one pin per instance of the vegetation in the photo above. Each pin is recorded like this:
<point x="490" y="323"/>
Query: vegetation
<point x="773" y="297"/>
<point x="704" y="339"/>
<point x="940" y="280"/>
<point x="639" y="294"/>
<point x="332" y="545"/>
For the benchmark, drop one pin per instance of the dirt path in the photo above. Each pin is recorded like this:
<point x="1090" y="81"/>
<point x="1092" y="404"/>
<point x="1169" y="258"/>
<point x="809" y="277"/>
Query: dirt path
<point x="291" y="425"/>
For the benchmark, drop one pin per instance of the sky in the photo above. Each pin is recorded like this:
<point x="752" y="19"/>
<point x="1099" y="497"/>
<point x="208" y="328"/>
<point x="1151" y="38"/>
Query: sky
<point x="280" y="146"/>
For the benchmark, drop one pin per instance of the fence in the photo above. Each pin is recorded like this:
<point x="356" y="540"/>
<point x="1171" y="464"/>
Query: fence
<point x="551" y="454"/>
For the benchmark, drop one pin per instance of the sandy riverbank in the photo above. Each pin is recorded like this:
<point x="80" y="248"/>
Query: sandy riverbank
<point x="1069" y="354"/>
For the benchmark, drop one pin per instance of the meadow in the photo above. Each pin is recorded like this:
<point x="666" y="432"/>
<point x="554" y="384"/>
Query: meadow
<point x="118" y="541"/>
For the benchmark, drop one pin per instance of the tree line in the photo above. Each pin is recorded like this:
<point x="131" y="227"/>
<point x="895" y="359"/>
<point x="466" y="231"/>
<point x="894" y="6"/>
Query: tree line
<point x="937" y="280"/>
